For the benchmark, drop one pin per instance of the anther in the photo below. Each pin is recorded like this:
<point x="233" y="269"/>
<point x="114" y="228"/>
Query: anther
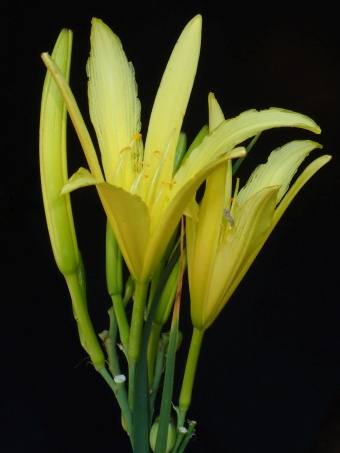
<point x="142" y="162"/>
<point x="158" y="152"/>
<point x="134" y="137"/>
<point x="169" y="182"/>
<point x="127" y="148"/>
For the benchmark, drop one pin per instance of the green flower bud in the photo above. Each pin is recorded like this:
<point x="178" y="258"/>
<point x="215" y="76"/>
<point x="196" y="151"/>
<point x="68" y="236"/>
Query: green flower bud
<point x="171" y="436"/>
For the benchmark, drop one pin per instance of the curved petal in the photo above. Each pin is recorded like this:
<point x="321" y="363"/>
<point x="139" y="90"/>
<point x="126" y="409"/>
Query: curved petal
<point x="114" y="106"/>
<point x="297" y="186"/>
<point x="127" y="214"/>
<point x="234" y="131"/>
<point x="252" y="222"/>
<point x="171" y="102"/>
<point x="281" y="166"/>
<point x="169" y="219"/>
<point x="130" y="221"/>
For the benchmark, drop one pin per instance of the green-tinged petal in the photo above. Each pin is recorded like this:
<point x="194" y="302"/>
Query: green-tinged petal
<point x="114" y="106"/>
<point x="252" y="222"/>
<point x="300" y="182"/>
<point x="234" y="131"/>
<point x="53" y="163"/>
<point x="81" y="178"/>
<point x="169" y="218"/>
<point x="75" y="115"/>
<point x="281" y="166"/>
<point x="208" y="230"/>
<point x="171" y="103"/>
<point x="297" y="186"/>
<point x="207" y="233"/>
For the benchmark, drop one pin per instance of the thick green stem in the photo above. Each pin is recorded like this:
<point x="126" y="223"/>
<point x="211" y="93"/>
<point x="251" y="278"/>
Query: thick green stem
<point x="137" y="320"/>
<point x="84" y="322"/>
<point x="189" y="375"/>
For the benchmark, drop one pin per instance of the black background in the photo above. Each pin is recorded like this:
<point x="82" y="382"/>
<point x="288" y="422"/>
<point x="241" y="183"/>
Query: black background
<point x="270" y="365"/>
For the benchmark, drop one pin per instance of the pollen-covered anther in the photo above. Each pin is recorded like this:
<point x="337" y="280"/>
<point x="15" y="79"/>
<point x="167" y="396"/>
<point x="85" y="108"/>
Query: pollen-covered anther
<point x="127" y="148"/>
<point x="159" y="153"/>
<point x="145" y="176"/>
<point x="136" y="136"/>
<point x="232" y="199"/>
<point x="142" y="162"/>
<point x="169" y="182"/>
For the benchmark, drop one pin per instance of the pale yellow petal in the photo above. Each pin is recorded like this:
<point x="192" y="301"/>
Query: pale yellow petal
<point x="81" y="178"/>
<point x="171" y="102"/>
<point x="234" y="131"/>
<point x="75" y="115"/>
<point x="297" y="186"/>
<point x="249" y="232"/>
<point x="114" y="106"/>
<point x="169" y="218"/>
<point x="281" y="166"/>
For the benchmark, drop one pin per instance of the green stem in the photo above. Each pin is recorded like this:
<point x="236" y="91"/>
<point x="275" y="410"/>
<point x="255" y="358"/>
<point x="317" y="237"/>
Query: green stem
<point x="84" y="322"/>
<point x="136" y="327"/>
<point x="110" y="344"/>
<point x="189" y="375"/>
<point x="152" y="349"/>
<point x="159" y="369"/>
<point x="132" y="374"/>
<point x="119" y="391"/>
<point x="137" y="320"/>
<point x="122" y="321"/>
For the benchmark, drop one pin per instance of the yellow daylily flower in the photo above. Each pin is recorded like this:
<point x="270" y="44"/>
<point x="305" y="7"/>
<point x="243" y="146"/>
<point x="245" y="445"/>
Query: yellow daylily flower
<point x="143" y="198"/>
<point x="229" y="234"/>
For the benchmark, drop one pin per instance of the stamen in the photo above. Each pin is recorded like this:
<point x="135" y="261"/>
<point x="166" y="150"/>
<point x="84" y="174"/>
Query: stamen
<point x="159" y="152"/>
<point x="127" y="148"/>
<point x="169" y="182"/>
<point x="232" y="199"/>
<point x="142" y="162"/>
<point x="134" y="137"/>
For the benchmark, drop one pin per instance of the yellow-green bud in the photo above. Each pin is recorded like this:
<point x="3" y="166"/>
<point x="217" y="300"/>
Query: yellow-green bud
<point x="171" y="436"/>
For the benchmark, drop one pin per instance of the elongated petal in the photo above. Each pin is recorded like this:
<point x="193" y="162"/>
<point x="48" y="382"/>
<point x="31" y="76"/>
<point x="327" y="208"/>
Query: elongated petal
<point x="53" y="163"/>
<point x="114" y="106"/>
<point x="251" y="225"/>
<point x="127" y="214"/>
<point x="234" y="131"/>
<point x="297" y="186"/>
<point x="172" y="99"/>
<point x="281" y="166"/>
<point x="75" y="115"/>
<point x="169" y="219"/>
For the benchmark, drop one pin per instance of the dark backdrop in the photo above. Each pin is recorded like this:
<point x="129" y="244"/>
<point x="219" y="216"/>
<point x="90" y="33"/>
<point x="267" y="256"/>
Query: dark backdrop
<point x="270" y="366"/>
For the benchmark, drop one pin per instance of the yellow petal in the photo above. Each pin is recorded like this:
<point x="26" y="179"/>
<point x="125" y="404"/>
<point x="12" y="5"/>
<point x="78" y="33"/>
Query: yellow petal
<point x="75" y="115"/>
<point x="169" y="218"/>
<point x="234" y="131"/>
<point x="81" y="178"/>
<point x="281" y="166"/>
<point x="128" y="216"/>
<point x="297" y="186"/>
<point x="171" y="101"/>
<point x="251" y="225"/>
<point x="130" y="221"/>
<point x="114" y="106"/>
